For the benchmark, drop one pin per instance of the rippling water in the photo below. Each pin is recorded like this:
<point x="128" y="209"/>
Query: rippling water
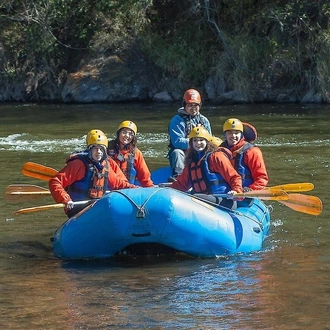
<point x="284" y="286"/>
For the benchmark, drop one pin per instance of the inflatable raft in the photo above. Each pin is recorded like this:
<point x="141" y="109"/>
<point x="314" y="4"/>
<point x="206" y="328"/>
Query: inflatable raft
<point x="165" y="217"/>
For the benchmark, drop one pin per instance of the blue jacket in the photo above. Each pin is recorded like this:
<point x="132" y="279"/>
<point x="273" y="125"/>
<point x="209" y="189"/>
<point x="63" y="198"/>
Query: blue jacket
<point x="180" y="127"/>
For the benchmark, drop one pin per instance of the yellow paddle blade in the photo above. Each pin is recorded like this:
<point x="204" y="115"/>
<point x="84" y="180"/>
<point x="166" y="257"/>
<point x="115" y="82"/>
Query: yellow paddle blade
<point x="268" y="194"/>
<point x="38" y="171"/>
<point x="295" y="187"/>
<point x="39" y="208"/>
<point x="304" y="203"/>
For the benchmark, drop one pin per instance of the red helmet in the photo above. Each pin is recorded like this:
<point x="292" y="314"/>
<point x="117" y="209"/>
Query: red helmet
<point x="192" y="96"/>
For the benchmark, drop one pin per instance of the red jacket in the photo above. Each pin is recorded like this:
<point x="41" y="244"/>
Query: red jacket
<point x="140" y="166"/>
<point x="75" y="170"/>
<point x="218" y="163"/>
<point x="254" y="160"/>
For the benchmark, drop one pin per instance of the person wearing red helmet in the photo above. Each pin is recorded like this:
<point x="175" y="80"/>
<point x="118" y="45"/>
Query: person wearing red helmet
<point x="180" y="126"/>
<point x="247" y="157"/>
<point x="87" y="175"/>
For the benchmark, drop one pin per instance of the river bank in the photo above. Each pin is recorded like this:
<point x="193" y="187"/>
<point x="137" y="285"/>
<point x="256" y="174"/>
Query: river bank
<point x="152" y="51"/>
<point x="114" y="79"/>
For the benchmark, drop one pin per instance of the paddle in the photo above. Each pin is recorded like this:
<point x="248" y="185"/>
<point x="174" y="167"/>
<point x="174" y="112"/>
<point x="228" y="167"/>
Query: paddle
<point x="268" y="194"/>
<point x="18" y="191"/>
<point x="24" y="192"/>
<point x="46" y="207"/>
<point x="42" y="172"/>
<point x="38" y="171"/>
<point x="304" y="203"/>
<point x="298" y="202"/>
<point x="26" y="189"/>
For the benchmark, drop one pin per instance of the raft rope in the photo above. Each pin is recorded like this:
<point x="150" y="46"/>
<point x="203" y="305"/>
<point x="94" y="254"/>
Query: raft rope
<point x="230" y="210"/>
<point x="140" y="209"/>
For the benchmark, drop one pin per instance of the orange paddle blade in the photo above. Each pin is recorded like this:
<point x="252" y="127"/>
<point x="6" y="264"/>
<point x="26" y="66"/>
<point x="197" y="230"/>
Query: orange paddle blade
<point x="304" y="203"/>
<point x="38" y="171"/>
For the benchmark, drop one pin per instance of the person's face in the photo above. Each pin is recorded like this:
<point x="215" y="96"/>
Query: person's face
<point x="97" y="153"/>
<point x="233" y="137"/>
<point x="199" y="144"/>
<point x="192" y="109"/>
<point x="126" y="136"/>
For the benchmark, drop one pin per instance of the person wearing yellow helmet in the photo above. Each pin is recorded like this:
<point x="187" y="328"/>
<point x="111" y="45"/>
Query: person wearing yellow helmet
<point x="208" y="169"/>
<point x="216" y="141"/>
<point x="247" y="157"/>
<point x="87" y="175"/>
<point x="124" y="151"/>
<point x="180" y="126"/>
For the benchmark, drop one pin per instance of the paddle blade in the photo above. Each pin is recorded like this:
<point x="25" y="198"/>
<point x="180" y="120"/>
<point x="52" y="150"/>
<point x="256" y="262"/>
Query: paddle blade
<point x="266" y="194"/>
<point x="304" y="203"/>
<point x="38" y="171"/>
<point x="295" y="187"/>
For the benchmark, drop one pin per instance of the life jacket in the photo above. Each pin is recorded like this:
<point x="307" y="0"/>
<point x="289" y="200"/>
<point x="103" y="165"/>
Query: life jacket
<point x="125" y="162"/>
<point x="205" y="181"/>
<point x="95" y="182"/>
<point x="241" y="167"/>
<point x="189" y="124"/>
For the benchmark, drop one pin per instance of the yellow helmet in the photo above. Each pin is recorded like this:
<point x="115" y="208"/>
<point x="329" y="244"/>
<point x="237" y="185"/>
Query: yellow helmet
<point x="128" y="124"/>
<point x="200" y="132"/>
<point x="216" y="141"/>
<point x="233" y="124"/>
<point x="96" y="136"/>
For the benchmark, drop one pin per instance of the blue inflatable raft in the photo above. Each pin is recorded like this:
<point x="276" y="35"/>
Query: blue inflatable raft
<point x="167" y="217"/>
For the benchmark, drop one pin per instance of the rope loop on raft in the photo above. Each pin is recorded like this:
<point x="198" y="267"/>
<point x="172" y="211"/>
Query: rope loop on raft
<point x="140" y="214"/>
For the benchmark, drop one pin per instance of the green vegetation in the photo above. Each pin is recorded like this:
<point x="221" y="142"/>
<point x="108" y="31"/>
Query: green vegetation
<point x="247" y="45"/>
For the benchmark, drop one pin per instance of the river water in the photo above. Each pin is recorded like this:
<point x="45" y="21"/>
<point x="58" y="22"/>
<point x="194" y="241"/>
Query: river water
<point x="286" y="285"/>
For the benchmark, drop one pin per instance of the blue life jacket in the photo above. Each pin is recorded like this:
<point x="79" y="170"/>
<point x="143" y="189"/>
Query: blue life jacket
<point x="131" y="171"/>
<point x="241" y="167"/>
<point x="95" y="182"/>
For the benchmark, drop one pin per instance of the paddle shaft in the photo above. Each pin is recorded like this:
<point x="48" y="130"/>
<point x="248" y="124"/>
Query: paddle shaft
<point x="264" y="194"/>
<point x="46" y="207"/>
<point x="30" y="193"/>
